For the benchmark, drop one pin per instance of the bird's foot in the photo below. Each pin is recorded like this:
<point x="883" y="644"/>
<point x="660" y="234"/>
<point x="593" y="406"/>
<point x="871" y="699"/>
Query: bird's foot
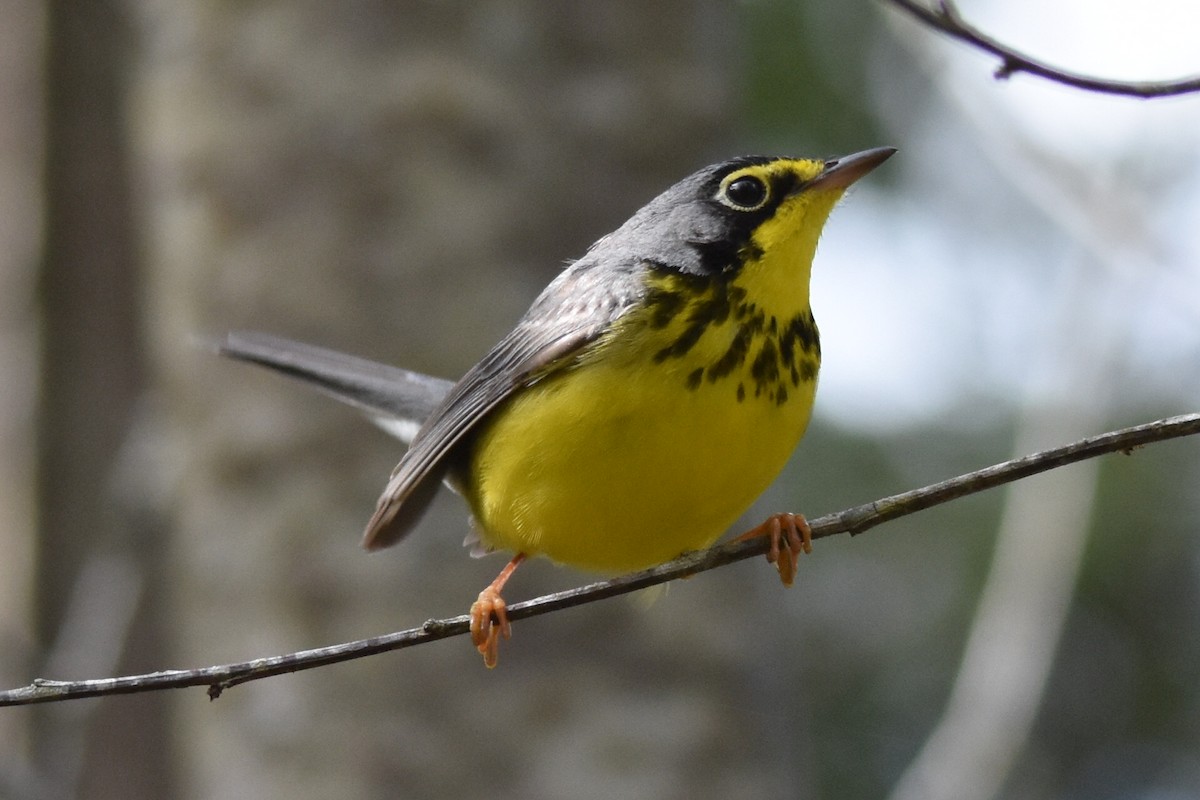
<point x="783" y="529"/>
<point x="489" y="621"/>
<point x="489" y="615"/>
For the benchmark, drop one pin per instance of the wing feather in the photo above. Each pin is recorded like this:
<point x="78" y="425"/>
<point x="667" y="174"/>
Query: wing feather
<point x="573" y="311"/>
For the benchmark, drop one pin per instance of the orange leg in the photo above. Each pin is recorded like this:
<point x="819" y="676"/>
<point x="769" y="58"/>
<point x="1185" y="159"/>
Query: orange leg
<point x="778" y="527"/>
<point x="486" y="631"/>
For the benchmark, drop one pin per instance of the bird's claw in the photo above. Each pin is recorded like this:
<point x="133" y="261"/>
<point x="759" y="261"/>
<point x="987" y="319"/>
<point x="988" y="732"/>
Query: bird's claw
<point x="489" y="621"/>
<point x="780" y="529"/>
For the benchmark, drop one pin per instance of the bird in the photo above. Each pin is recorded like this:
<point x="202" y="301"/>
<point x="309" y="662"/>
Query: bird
<point x="649" y="395"/>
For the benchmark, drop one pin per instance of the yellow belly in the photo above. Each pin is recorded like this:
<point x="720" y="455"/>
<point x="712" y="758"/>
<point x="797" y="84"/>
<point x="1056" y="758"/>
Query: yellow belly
<point x="621" y="463"/>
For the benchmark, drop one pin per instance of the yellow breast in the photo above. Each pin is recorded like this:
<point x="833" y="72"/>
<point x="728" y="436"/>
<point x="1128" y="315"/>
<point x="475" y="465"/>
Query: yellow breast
<point x="662" y="434"/>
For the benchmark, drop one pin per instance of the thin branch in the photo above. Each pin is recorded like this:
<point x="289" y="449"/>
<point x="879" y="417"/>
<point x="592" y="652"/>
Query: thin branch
<point x="853" y="521"/>
<point x="945" y="17"/>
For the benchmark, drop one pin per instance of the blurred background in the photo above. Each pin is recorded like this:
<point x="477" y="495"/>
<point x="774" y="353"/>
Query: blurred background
<point x="399" y="180"/>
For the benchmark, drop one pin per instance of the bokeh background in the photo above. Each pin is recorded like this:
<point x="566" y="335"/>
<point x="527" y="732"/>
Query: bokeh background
<point x="399" y="179"/>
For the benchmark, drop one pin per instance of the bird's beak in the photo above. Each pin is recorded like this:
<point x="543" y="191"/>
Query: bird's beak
<point x="839" y="173"/>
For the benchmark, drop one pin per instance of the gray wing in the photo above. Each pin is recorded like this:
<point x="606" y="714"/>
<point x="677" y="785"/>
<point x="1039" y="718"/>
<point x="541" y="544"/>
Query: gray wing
<point x="396" y="399"/>
<point x="575" y="309"/>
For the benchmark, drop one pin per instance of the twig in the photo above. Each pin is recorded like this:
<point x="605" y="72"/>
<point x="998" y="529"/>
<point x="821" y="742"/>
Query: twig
<point x="853" y="520"/>
<point x="945" y="17"/>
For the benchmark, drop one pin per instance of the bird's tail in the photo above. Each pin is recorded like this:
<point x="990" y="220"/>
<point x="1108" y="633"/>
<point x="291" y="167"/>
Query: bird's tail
<point x="397" y="400"/>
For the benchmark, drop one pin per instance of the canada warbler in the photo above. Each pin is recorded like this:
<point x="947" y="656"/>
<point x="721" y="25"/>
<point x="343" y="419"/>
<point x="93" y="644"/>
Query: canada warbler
<point x="650" y="394"/>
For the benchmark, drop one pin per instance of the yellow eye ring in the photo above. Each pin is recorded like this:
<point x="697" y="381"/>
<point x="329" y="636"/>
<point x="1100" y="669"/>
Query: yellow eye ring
<point x="743" y="192"/>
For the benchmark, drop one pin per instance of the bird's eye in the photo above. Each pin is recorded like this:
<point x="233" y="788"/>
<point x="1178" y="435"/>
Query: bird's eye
<point x="746" y="193"/>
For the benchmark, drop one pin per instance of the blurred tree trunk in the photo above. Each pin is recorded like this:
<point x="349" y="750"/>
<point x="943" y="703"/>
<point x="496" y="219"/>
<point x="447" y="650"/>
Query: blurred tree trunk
<point x="396" y="179"/>
<point x="20" y="151"/>
<point x="97" y="565"/>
